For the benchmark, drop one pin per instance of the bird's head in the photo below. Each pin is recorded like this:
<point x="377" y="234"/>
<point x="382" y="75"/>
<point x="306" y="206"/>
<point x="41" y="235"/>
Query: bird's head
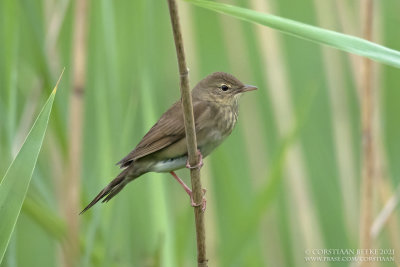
<point x="220" y="87"/>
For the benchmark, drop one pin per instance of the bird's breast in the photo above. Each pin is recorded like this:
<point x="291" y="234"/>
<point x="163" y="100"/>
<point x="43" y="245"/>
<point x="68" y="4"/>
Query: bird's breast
<point x="220" y="128"/>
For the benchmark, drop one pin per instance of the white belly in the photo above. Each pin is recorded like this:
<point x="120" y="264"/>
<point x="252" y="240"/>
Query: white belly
<point x="169" y="164"/>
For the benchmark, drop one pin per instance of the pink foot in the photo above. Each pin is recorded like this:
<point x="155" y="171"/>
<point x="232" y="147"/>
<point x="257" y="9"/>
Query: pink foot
<point x="199" y="165"/>
<point x="203" y="203"/>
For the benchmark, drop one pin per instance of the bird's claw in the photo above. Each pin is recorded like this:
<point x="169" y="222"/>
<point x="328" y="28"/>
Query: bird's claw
<point x="203" y="203"/>
<point x="198" y="165"/>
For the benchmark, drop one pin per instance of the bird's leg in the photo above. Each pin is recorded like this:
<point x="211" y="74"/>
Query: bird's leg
<point x="187" y="189"/>
<point x="199" y="165"/>
<point x="189" y="192"/>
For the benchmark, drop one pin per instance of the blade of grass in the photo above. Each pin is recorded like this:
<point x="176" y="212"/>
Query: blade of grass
<point x="16" y="181"/>
<point x="315" y="34"/>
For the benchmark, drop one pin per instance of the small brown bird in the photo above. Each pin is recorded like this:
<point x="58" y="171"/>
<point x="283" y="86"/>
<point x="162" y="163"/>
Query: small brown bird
<point x="163" y="148"/>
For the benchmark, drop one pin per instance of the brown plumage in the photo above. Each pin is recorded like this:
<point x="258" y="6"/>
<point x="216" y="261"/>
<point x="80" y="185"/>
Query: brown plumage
<point x="163" y="148"/>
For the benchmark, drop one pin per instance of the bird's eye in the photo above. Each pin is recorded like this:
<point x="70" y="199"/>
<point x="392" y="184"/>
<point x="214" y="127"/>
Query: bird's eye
<point x="224" y="87"/>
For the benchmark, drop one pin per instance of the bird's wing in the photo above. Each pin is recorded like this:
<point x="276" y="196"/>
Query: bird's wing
<point x="168" y="130"/>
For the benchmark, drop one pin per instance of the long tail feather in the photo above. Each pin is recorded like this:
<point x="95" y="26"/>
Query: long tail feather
<point x="113" y="188"/>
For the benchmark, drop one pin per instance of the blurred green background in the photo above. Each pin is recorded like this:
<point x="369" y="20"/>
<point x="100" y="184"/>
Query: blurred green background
<point x="286" y="180"/>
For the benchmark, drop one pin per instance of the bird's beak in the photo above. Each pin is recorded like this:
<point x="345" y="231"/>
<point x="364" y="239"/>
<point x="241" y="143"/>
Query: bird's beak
<point x="247" y="88"/>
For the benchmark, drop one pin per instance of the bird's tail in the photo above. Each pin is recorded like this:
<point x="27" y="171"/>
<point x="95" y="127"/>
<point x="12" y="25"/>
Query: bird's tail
<point x="111" y="189"/>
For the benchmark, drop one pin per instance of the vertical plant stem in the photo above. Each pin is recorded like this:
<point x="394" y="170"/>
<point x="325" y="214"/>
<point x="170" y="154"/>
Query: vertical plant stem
<point x="72" y="180"/>
<point x="187" y="106"/>
<point x="367" y="136"/>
